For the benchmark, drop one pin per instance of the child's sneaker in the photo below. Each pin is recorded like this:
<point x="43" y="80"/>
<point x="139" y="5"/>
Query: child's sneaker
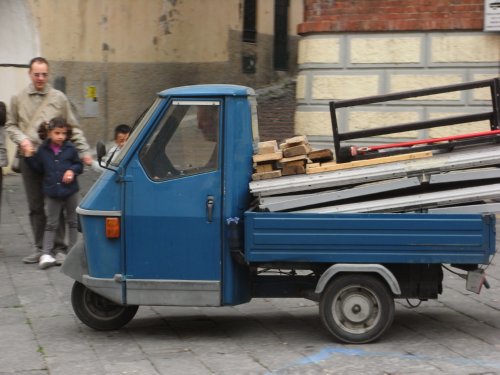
<point x="46" y="261"/>
<point x="60" y="256"/>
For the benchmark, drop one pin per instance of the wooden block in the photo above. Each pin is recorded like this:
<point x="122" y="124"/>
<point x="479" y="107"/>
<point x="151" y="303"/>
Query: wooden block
<point x="267" y="147"/>
<point x="266" y="175"/>
<point x="295" y="163"/>
<point x="292" y="169"/>
<point x="312" y="166"/>
<point x="295" y="141"/>
<point x="266" y="167"/>
<point x="271" y="162"/>
<point x="266" y="157"/>
<point x="302" y="149"/>
<point x="293" y="158"/>
<point x="321" y="155"/>
<point x="300" y="162"/>
<point x="329" y="167"/>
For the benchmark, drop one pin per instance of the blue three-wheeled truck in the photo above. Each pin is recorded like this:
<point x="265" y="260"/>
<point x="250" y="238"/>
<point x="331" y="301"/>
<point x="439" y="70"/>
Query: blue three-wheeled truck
<point x="170" y="222"/>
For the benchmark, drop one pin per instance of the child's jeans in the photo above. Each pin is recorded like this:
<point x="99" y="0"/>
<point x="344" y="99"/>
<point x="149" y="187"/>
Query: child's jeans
<point x="53" y="207"/>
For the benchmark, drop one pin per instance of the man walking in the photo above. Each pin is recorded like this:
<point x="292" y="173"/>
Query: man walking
<point x="38" y="103"/>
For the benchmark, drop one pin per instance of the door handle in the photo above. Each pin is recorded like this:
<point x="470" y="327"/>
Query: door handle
<point x="210" y="207"/>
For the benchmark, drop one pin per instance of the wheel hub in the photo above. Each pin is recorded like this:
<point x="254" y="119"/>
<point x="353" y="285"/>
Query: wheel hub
<point x="357" y="308"/>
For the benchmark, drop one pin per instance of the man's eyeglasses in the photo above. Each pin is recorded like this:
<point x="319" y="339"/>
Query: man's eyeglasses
<point x="38" y="75"/>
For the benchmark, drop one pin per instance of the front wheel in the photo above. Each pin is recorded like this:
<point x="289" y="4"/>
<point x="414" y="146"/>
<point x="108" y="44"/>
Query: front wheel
<point x="98" y="312"/>
<point x="356" y="309"/>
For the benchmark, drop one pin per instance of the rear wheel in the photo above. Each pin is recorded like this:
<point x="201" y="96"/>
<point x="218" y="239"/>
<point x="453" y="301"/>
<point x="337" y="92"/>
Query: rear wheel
<point x="356" y="309"/>
<point x="98" y="312"/>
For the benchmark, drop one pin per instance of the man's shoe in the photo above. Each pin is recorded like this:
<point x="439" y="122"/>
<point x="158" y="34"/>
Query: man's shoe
<point x="32" y="258"/>
<point x="60" y="258"/>
<point x="46" y="261"/>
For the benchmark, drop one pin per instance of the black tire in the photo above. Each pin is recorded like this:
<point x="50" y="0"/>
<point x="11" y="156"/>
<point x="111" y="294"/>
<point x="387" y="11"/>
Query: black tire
<point x="356" y="309"/>
<point x="98" y="312"/>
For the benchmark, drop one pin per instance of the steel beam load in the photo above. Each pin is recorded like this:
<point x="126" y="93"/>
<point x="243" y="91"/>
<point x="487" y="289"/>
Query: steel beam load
<point x="439" y="163"/>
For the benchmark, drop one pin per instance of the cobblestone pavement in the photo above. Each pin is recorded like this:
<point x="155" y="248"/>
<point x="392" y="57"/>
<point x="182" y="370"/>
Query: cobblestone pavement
<point x="39" y="334"/>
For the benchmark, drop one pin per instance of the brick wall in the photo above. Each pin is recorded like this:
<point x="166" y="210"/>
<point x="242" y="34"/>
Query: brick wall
<point x="276" y="110"/>
<point x="391" y="15"/>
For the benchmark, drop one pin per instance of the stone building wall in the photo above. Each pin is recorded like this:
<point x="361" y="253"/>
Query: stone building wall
<point x="112" y="57"/>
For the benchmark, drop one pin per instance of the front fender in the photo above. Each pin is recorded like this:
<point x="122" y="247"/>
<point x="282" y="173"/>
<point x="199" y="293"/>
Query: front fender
<point x="75" y="264"/>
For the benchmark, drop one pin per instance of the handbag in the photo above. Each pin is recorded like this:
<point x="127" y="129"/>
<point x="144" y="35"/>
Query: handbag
<point x="15" y="166"/>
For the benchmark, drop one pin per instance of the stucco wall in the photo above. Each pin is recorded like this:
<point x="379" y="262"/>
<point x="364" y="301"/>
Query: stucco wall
<point x="135" y="31"/>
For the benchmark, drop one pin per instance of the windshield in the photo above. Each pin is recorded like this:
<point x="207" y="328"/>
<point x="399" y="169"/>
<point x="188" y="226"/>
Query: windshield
<point x="184" y="142"/>
<point x="136" y="129"/>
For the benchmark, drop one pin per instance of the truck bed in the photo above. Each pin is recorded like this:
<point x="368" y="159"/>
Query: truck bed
<point x="369" y="238"/>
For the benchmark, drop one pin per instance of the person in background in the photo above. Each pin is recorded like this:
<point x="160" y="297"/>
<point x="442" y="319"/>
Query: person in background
<point x="37" y="103"/>
<point x="208" y="121"/>
<point x="3" y="149"/>
<point x="121" y="134"/>
<point x="58" y="163"/>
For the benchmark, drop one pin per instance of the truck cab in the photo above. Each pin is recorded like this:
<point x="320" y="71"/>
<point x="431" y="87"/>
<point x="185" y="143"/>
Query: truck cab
<point x="156" y="218"/>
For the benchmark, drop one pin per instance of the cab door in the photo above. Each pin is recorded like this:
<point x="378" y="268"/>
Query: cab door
<point x="173" y="206"/>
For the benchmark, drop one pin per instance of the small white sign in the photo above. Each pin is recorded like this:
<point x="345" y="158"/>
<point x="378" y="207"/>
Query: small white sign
<point x="491" y="15"/>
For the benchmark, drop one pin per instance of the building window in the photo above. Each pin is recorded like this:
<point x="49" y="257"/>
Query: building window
<point x="281" y="34"/>
<point x="250" y="21"/>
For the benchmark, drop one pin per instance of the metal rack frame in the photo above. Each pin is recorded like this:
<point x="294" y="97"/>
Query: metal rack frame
<point x="493" y="116"/>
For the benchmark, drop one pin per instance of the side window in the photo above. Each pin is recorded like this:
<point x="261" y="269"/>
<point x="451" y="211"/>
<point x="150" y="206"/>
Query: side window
<point x="185" y="142"/>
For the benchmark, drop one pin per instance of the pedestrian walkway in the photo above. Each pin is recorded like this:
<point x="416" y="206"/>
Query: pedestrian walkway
<point x="40" y="335"/>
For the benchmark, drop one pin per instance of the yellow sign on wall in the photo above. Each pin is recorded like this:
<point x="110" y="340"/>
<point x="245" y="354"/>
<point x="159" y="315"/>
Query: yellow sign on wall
<point x="91" y="93"/>
<point x="91" y="99"/>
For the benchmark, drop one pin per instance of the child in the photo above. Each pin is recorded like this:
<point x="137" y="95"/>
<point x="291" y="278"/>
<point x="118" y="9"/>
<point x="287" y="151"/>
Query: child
<point x="122" y="132"/>
<point x="58" y="161"/>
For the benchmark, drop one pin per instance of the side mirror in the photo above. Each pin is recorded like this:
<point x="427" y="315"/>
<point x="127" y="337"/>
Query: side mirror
<point x="101" y="151"/>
